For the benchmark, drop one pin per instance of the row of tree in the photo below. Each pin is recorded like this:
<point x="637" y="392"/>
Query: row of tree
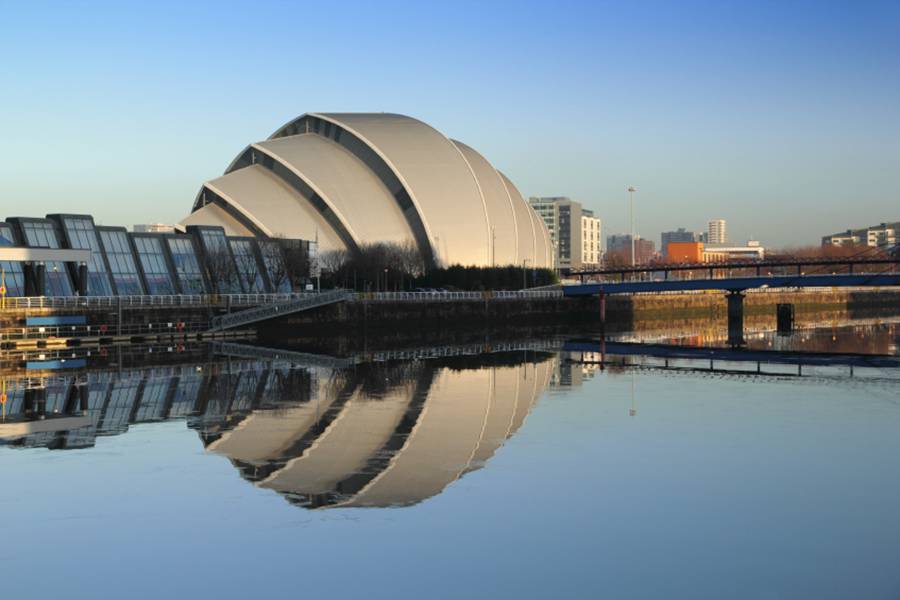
<point x="394" y="267"/>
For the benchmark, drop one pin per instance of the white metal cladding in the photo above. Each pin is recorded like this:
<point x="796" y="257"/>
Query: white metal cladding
<point x="436" y="177"/>
<point x="274" y="206"/>
<point x="501" y="215"/>
<point x="525" y="230"/>
<point x="212" y="214"/>
<point x="404" y="181"/>
<point x="351" y="190"/>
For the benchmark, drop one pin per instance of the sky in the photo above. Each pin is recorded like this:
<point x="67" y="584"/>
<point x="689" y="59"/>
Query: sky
<point x="781" y="117"/>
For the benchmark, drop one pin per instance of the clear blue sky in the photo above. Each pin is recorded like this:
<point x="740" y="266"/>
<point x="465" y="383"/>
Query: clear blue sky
<point x="782" y="117"/>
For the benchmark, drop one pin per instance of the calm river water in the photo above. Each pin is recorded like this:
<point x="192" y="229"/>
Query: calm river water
<point x="531" y="469"/>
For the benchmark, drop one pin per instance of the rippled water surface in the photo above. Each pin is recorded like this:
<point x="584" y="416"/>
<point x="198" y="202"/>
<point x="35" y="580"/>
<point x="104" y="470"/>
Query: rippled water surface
<point x="529" y="471"/>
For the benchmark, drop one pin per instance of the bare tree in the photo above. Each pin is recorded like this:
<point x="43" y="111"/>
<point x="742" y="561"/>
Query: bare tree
<point x="221" y="270"/>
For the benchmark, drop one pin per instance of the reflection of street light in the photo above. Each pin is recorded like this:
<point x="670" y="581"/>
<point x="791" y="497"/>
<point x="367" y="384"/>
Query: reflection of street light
<point x="633" y="411"/>
<point x="631" y="191"/>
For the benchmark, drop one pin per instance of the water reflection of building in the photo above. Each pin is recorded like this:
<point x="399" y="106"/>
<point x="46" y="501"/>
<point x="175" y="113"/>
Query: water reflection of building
<point x="574" y="368"/>
<point x="384" y="435"/>
<point x="379" y="434"/>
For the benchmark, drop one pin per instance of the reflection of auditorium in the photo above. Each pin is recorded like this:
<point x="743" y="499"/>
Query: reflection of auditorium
<point x="378" y="434"/>
<point x="388" y="435"/>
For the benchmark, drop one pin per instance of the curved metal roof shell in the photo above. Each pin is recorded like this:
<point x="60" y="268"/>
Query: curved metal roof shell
<point x="362" y="178"/>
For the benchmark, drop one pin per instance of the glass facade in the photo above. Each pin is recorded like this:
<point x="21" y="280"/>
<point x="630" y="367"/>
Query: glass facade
<point x="273" y="259"/>
<point x="81" y="234"/>
<point x="12" y="274"/>
<point x="153" y="261"/>
<point x="42" y="234"/>
<point x="154" y="400"/>
<point x="187" y="267"/>
<point x="121" y="405"/>
<point x="219" y="262"/>
<point x="120" y="256"/>
<point x="187" y="392"/>
<point x="203" y="261"/>
<point x="251" y="277"/>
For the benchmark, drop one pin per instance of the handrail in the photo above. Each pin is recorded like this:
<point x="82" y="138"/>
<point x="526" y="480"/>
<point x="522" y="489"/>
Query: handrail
<point x="268" y="311"/>
<point x="249" y="300"/>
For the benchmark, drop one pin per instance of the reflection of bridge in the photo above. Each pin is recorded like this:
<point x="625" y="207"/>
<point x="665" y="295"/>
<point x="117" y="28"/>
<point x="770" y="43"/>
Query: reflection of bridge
<point x="882" y="272"/>
<point x="728" y="360"/>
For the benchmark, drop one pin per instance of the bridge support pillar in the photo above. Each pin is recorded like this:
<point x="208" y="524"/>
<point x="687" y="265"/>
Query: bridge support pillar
<point x="784" y="316"/>
<point x="602" y="298"/>
<point x="735" y="318"/>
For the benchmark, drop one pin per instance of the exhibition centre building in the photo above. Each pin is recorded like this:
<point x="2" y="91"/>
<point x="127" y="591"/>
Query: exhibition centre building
<point x="323" y="182"/>
<point x="352" y="180"/>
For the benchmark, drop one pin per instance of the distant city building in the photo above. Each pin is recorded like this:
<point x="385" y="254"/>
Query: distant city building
<point x="681" y="235"/>
<point x="716" y="233"/>
<point x="884" y="235"/>
<point x="154" y="228"/>
<point x="574" y="231"/>
<point x="697" y="252"/>
<point x="618" y="249"/>
<point x="685" y="252"/>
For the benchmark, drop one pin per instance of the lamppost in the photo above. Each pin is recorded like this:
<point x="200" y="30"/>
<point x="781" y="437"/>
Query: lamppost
<point x="631" y="191"/>
<point x="493" y="246"/>
<point x="524" y="273"/>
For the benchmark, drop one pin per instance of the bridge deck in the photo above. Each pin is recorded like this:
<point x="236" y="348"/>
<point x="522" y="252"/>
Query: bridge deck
<point x="735" y="283"/>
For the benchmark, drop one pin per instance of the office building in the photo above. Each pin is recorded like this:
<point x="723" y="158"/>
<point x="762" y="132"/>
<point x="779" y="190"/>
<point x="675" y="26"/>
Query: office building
<point x="618" y="249"/>
<point x="681" y="235"/>
<point x="350" y="180"/>
<point x="697" y="252"/>
<point x="574" y="231"/>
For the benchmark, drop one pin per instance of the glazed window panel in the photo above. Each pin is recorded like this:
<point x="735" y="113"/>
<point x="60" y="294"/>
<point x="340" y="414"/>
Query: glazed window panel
<point x="42" y="234"/>
<point x="219" y="263"/>
<point x="121" y="263"/>
<point x="273" y="258"/>
<point x="12" y="274"/>
<point x="83" y="236"/>
<point x="187" y="266"/>
<point x="156" y="271"/>
<point x="248" y="269"/>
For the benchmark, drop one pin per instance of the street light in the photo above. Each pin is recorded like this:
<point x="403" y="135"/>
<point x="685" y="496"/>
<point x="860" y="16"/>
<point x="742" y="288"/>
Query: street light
<point x="631" y="191"/>
<point x="524" y="273"/>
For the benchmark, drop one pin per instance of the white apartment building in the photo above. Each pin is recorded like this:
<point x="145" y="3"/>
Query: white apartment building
<point x="716" y="233"/>
<point x="884" y="235"/>
<point x="574" y="231"/>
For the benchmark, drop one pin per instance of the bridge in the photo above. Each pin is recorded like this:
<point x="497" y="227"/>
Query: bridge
<point x="733" y="278"/>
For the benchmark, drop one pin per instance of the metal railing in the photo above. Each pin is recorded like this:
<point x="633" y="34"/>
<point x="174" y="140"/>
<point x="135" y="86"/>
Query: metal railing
<point x="247" y="300"/>
<point x="150" y="301"/>
<point x="269" y="311"/>
<point x="49" y="332"/>
<point x="456" y="296"/>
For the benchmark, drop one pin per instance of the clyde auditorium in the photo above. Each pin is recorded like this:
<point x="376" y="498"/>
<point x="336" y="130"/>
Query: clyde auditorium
<point x="348" y="180"/>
